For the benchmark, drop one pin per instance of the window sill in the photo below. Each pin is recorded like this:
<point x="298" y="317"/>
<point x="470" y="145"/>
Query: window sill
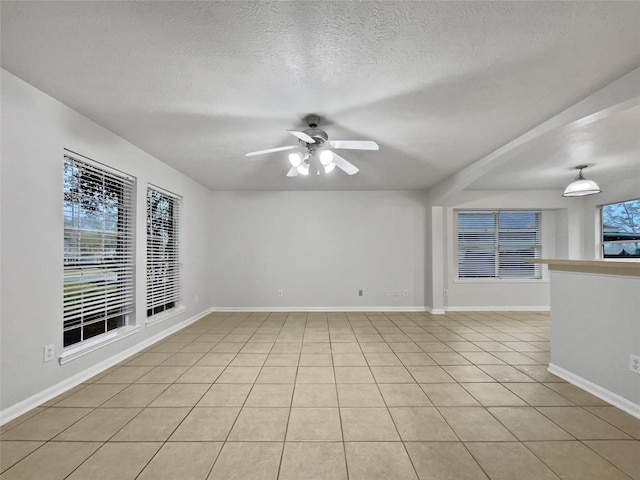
<point x="500" y="280"/>
<point x="96" y="343"/>
<point x="161" y="317"/>
<point x="620" y="259"/>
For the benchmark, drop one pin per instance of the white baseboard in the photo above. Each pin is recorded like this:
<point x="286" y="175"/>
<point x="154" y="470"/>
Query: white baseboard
<point x="321" y="309"/>
<point x="499" y="309"/>
<point x="39" y="398"/>
<point x="435" y="311"/>
<point x="614" y="399"/>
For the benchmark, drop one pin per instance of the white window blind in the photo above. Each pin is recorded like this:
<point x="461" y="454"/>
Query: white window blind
<point x="163" y="251"/>
<point x="494" y="244"/>
<point x="99" y="244"/>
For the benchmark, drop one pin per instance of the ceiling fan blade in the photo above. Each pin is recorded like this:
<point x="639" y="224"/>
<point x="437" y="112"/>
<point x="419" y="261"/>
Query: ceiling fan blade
<point x="354" y="144"/>
<point x="342" y="164"/>
<point x="302" y="136"/>
<point x="293" y="172"/>
<point x="270" y="150"/>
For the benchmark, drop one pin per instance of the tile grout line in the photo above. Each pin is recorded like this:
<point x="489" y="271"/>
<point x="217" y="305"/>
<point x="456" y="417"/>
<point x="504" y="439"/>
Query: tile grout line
<point x="560" y="441"/>
<point x="213" y="463"/>
<point x="506" y="326"/>
<point x="454" y="432"/>
<point x="286" y="429"/>
<point x="166" y="441"/>
<point x="402" y="442"/>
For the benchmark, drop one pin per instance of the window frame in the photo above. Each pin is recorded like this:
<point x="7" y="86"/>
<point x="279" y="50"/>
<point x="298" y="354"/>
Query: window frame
<point x="99" y="257"/>
<point x="602" y="242"/>
<point x="164" y="301"/>
<point x="496" y="246"/>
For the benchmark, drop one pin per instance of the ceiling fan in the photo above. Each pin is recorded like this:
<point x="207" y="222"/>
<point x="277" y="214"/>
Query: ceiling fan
<point x="314" y="149"/>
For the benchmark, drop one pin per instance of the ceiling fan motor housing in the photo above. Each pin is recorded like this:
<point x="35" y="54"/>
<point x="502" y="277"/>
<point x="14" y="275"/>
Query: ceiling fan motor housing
<point x="312" y="120"/>
<point x="320" y="136"/>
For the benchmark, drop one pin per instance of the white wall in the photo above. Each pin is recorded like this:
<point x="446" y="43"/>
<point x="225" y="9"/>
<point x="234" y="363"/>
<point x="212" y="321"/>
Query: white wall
<point x="558" y="214"/>
<point x="428" y="267"/>
<point x="35" y="130"/>
<point x="319" y="248"/>
<point x="594" y="328"/>
<point x="434" y="267"/>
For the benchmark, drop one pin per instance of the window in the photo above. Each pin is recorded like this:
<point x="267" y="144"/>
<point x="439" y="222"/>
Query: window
<point x="495" y="244"/>
<point x="98" y="249"/>
<point x="621" y="230"/>
<point x="163" y="259"/>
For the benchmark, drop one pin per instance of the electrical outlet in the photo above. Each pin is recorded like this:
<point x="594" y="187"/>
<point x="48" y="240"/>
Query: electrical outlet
<point x="359" y="293"/>
<point x="49" y="352"/>
<point x="446" y="292"/>
<point x="406" y="293"/>
<point x="280" y="293"/>
<point x="634" y="363"/>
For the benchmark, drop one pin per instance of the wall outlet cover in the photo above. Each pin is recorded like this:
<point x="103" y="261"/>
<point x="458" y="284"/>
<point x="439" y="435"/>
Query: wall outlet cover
<point x="49" y="352"/>
<point x="634" y="363"/>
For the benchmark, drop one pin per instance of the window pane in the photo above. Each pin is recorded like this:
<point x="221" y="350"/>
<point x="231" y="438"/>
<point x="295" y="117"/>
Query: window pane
<point x="512" y="263"/>
<point x="98" y="250"/>
<point x="476" y="228"/>
<point x="519" y="239"/>
<point x="473" y="220"/>
<point x="72" y="336"/>
<point x="163" y="267"/>
<point x="495" y="244"/>
<point x="621" y="229"/>
<point x="477" y="263"/>
<point x="476" y="245"/>
<point x="621" y="250"/>
<point x="518" y="220"/>
<point x="621" y="221"/>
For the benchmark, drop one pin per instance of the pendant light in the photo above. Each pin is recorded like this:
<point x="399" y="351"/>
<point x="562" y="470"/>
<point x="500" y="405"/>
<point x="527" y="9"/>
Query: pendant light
<point x="581" y="186"/>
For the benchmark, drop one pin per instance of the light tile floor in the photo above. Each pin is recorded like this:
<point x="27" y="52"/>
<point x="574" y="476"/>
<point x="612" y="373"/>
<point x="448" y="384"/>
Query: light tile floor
<point x="328" y="396"/>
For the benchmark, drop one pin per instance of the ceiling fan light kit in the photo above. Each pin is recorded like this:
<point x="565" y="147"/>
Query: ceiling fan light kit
<point x="326" y="157"/>
<point x="314" y="146"/>
<point x="303" y="169"/>
<point x="295" y="159"/>
<point x="581" y="187"/>
<point x="329" y="168"/>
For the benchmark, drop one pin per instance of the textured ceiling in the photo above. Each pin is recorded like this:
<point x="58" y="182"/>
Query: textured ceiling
<point x="438" y="85"/>
<point x="610" y="147"/>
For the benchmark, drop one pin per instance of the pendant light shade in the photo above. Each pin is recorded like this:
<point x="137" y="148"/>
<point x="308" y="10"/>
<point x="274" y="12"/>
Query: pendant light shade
<point x="581" y="186"/>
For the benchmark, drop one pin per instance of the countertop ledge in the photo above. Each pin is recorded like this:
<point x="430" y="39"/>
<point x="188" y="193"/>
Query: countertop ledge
<point x="594" y="267"/>
<point x="633" y="265"/>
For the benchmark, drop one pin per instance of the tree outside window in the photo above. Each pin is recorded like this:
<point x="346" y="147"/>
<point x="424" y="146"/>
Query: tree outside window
<point x="621" y="230"/>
